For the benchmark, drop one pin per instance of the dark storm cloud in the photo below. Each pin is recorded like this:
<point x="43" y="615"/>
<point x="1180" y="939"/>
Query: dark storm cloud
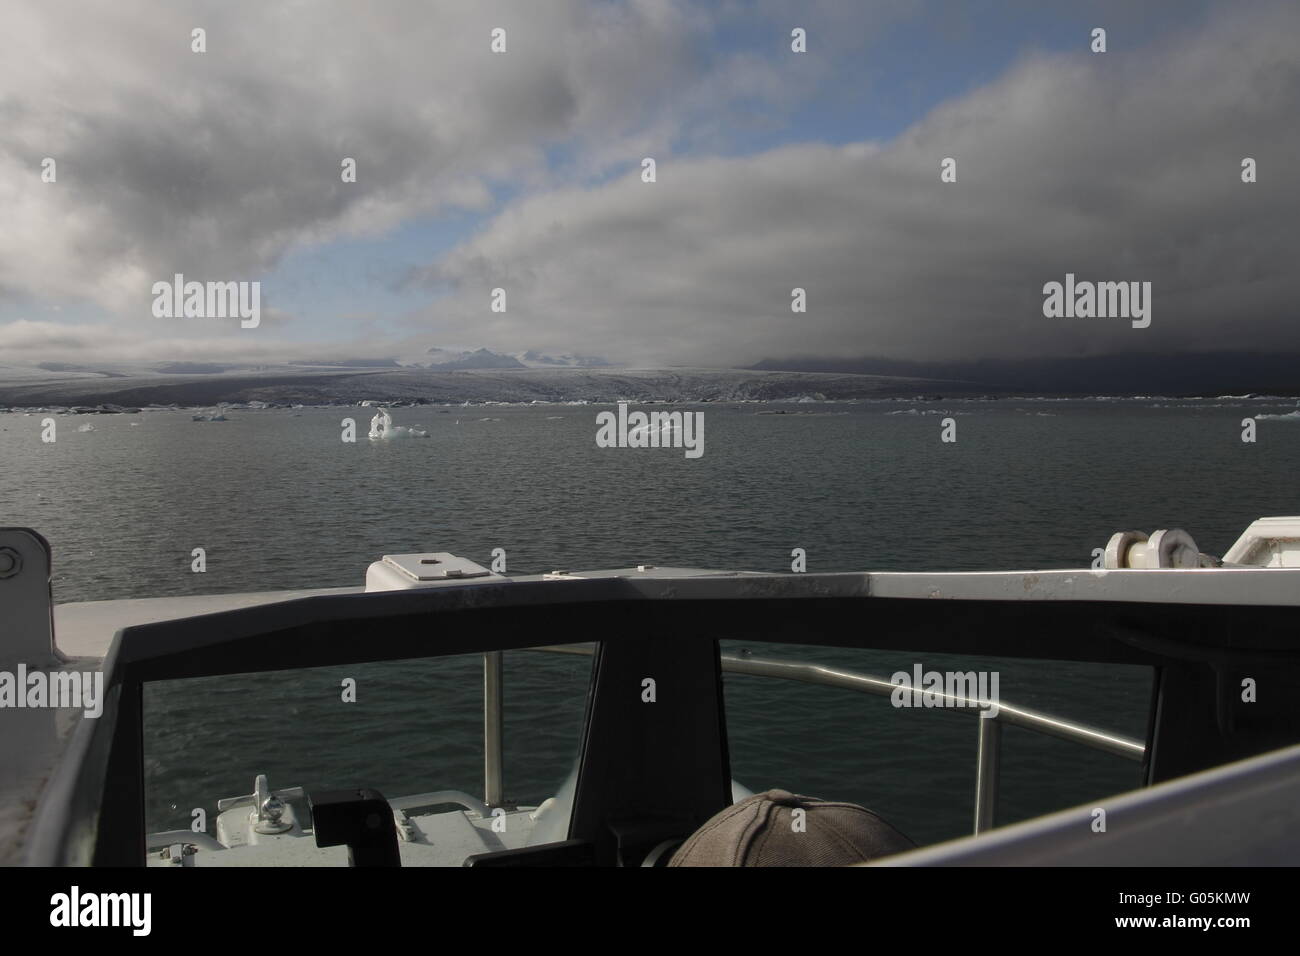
<point x="1122" y="166"/>
<point x="1113" y="167"/>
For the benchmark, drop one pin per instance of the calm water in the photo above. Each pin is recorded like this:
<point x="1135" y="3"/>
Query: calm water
<point x="278" y="501"/>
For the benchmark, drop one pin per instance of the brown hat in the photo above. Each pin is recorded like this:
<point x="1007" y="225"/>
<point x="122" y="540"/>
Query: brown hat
<point x="764" y="830"/>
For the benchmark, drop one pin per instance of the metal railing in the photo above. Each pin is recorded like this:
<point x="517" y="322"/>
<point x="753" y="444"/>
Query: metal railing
<point x="989" y="741"/>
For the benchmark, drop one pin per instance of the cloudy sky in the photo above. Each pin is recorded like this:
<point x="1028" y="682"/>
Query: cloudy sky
<point x="522" y="170"/>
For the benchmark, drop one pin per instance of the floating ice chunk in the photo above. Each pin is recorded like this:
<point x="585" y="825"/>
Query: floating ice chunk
<point x="214" y="415"/>
<point x="382" y="428"/>
<point x="86" y="427"/>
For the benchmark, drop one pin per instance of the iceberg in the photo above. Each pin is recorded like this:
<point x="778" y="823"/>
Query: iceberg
<point x="382" y="427"/>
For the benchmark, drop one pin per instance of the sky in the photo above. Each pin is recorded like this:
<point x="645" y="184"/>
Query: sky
<point x="522" y="170"/>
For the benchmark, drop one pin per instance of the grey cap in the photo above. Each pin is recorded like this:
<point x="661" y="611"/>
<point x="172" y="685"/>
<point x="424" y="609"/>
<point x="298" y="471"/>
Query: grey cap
<point x="761" y="831"/>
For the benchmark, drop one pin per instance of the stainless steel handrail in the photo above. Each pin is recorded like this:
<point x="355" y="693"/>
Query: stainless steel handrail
<point x="1035" y="720"/>
<point x="990" y="728"/>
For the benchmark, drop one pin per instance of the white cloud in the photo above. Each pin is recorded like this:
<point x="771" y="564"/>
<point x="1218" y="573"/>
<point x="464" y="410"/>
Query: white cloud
<point x="215" y="164"/>
<point x="1122" y="166"/>
<point x="25" y="341"/>
<point x="1115" y="167"/>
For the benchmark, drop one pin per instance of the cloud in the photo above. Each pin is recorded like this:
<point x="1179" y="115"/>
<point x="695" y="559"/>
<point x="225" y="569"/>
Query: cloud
<point x="215" y="164"/>
<point x="1122" y="166"/>
<point x="25" y="341"/>
<point x="1112" y="166"/>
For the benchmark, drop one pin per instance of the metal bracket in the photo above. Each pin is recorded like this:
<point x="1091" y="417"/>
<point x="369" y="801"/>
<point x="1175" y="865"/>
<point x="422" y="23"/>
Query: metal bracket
<point x="362" y="819"/>
<point x="25" y="596"/>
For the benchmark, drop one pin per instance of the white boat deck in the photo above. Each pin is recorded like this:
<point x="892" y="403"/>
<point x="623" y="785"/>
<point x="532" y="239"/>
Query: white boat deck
<point x="34" y="740"/>
<point x="431" y="839"/>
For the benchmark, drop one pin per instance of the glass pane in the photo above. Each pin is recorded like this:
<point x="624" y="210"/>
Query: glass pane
<point x="915" y="766"/>
<point x="412" y="730"/>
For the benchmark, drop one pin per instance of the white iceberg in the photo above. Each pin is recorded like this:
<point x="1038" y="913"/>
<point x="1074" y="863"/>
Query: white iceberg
<point x="382" y="427"/>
